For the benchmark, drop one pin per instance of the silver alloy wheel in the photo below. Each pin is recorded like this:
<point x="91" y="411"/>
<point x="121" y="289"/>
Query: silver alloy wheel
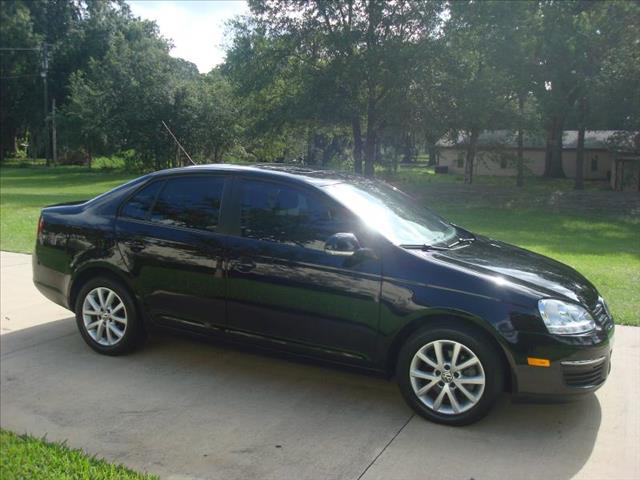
<point x="447" y="377"/>
<point x="104" y="316"/>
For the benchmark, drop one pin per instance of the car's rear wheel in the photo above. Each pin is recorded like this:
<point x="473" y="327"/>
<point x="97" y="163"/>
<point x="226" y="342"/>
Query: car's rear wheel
<point x="106" y="317"/>
<point x="450" y="374"/>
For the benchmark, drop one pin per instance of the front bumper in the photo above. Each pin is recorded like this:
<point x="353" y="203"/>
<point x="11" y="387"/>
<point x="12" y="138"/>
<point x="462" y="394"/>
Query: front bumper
<point x="578" y="366"/>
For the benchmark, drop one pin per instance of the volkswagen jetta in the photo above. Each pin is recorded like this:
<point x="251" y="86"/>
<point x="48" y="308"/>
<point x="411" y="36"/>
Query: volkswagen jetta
<point x="331" y="266"/>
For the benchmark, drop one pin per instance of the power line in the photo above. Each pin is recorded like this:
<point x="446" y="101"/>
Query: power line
<point x="19" y="49"/>
<point x="18" y="76"/>
<point x="44" y="48"/>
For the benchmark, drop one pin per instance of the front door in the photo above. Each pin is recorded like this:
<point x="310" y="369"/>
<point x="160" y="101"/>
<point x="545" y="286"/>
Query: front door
<point x="169" y="236"/>
<point x="284" y="285"/>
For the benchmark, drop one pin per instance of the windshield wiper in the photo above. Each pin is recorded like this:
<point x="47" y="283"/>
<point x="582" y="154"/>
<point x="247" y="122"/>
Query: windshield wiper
<point x="467" y="238"/>
<point x="423" y="246"/>
<point x="461" y="240"/>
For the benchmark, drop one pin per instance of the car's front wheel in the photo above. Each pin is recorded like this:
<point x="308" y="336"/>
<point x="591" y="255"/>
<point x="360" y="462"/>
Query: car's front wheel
<point x="450" y="374"/>
<point x="106" y="317"/>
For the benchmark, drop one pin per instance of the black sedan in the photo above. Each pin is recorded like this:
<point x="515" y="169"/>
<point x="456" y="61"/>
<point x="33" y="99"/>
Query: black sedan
<point x="327" y="265"/>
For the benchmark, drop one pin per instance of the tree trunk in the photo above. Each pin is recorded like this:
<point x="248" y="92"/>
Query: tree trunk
<point x="520" y="159"/>
<point x="557" y="170"/>
<point x="548" y="151"/>
<point x="357" y="145"/>
<point x="307" y="159"/>
<point x="373" y="14"/>
<point x="553" y="158"/>
<point x="330" y="151"/>
<point x="471" y="155"/>
<point x="8" y="142"/>
<point x="582" y="123"/>
<point x="579" y="185"/>
<point x="408" y="149"/>
<point x="370" y="144"/>
<point x="433" y="154"/>
<point x="369" y="152"/>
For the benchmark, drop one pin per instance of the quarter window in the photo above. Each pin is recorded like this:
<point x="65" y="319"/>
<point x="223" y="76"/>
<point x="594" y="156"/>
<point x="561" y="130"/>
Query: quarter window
<point x="190" y="202"/>
<point x="283" y="214"/>
<point x="139" y="205"/>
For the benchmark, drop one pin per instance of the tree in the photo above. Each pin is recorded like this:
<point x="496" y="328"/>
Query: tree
<point x="354" y="53"/>
<point x="509" y="36"/>
<point x="555" y="80"/>
<point x="606" y="32"/>
<point x="131" y="85"/>
<point x="74" y="32"/>
<point x="216" y="127"/>
<point x="21" y="106"/>
<point x="312" y="80"/>
<point x="481" y="92"/>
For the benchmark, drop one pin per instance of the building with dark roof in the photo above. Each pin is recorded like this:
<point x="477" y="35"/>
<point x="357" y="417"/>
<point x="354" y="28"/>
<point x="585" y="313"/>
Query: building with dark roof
<point x="497" y="153"/>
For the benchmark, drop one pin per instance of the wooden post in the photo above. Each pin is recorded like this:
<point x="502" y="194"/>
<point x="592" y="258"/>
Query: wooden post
<point x="520" y="158"/>
<point x="53" y="132"/>
<point x="45" y="94"/>
<point x="579" y="183"/>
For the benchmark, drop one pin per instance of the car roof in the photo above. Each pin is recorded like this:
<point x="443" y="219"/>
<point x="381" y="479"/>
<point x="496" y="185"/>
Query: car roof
<point x="305" y="174"/>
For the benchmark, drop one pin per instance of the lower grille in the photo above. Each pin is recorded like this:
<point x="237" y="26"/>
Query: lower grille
<point x="585" y="375"/>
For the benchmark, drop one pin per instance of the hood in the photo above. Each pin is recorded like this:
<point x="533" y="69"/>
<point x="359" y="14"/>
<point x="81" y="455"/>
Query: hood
<point x="514" y="264"/>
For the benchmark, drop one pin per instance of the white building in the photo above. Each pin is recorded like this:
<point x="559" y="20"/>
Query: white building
<point x="497" y="153"/>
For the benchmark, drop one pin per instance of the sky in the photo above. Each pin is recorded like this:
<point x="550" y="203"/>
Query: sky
<point x="196" y="28"/>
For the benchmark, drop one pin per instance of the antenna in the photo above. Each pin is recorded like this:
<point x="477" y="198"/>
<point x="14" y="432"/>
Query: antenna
<point x="177" y="142"/>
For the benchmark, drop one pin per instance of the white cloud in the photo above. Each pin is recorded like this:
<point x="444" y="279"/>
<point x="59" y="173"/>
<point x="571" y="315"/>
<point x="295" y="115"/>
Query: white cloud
<point x="196" y="28"/>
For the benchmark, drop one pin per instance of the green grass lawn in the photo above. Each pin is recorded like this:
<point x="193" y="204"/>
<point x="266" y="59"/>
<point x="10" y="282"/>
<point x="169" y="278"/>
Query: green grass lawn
<point x="605" y="250"/>
<point x="24" y="191"/>
<point x="415" y="176"/>
<point x="26" y="458"/>
<point x="604" y="247"/>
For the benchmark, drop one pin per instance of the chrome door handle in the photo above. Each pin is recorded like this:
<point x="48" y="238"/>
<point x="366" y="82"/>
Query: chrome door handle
<point x="245" y="265"/>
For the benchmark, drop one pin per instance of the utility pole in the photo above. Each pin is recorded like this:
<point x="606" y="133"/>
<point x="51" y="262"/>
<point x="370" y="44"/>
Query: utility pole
<point x="53" y="131"/>
<point x="43" y="74"/>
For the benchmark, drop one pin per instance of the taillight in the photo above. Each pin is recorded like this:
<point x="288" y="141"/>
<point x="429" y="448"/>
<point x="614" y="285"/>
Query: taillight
<point x="40" y="229"/>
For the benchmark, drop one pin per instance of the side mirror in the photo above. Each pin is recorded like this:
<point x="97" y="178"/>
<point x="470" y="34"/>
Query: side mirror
<point x="345" y="244"/>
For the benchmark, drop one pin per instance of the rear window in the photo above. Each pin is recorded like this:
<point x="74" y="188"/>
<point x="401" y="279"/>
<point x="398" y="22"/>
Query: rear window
<point x="139" y="205"/>
<point x="190" y="202"/>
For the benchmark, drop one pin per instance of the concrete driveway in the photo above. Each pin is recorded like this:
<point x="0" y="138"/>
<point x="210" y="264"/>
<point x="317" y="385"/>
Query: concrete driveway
<point x="185" y="409"/>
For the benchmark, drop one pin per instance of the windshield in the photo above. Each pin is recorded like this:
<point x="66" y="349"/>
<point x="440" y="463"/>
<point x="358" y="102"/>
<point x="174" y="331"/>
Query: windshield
<point x="392" y="213"/>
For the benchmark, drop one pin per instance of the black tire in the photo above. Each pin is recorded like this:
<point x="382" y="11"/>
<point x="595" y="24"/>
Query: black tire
<point x="478" y="344"/>
<point x="134" y="330"/>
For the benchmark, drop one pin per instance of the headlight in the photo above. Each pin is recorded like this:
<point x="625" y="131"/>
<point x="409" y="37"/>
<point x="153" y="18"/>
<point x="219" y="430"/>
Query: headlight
<point x="564" y="318"/>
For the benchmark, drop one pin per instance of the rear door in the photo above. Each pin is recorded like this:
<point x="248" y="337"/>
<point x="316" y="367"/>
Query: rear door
<point x="170" y="236"/>
<point x="283" y="285"/>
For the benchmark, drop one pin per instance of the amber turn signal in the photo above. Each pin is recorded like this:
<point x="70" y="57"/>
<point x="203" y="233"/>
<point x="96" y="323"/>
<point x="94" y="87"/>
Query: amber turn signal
<point x="538" y="362"/>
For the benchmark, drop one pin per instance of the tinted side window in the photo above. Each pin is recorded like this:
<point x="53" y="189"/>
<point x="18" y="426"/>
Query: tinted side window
<point x="139" y="205"/>
<point x="285" y="214"/>
<point x="191" y="202"/>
